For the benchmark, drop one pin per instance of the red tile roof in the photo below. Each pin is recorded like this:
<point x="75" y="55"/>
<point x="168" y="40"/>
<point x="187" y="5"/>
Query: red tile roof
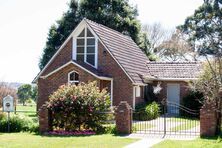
<point x="187" y="70"/>
<point x="124" y="50"/>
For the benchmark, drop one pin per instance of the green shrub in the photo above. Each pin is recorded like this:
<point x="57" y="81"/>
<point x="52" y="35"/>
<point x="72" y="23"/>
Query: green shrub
<point x="2" y="116"/>
<point x="192" y="101"/>
<point x="152" y="110"/>
<point x="77" y="107"/>
<point x="147" y="112"/>
<point x="17" y="123"/>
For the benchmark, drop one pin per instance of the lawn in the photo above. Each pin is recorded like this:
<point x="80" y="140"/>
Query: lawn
<point x="198" y="143"/>
<point x="31" y="108"/>
<point x="35" y="141"/>
<point x="28" y="110"/>
<point x="186" y="123"/>
<point x="142" y="126"/>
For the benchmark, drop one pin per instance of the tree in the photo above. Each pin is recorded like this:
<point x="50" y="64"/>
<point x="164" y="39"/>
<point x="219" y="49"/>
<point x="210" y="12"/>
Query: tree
<point x="59" y="32"/>
<point x="116" y="14"/>
<point x="204" y="30"/>
<point x="152" y="37"/>
<point x="176" y="49"/>
<point x="155" y="34"/>
<point x="24" y="93"/>
<point x="34" y="93"/>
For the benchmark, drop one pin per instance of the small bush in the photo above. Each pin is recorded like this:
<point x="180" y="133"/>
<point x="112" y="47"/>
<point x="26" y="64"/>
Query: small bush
<point x="192" y="101"/>
<point x="2" y="116"/>
<point x="111" y="129"/>
<point x="77" y="107"/>
<point x="17" y="123"/>
<point x="152" y="110"/>
<point x="147" y="112"/>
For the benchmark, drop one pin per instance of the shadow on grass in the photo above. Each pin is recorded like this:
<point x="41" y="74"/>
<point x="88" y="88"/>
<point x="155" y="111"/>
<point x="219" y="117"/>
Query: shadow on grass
<point x="63" y="136"/>
<point x="32" y="115"/>
<point x="217" y="137"/>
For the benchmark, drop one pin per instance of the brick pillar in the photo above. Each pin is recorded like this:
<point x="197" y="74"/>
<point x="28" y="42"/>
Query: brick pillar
<point x="208" y="120"/>
<point x="124" y="118"/>
<point x="44" y="120"/>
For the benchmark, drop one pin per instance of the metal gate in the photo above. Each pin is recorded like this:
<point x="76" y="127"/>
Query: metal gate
<point x="174" y="119"/>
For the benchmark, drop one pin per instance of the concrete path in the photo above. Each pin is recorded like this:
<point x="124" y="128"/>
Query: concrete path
<point x="144" y="143"/>
<point x="148" y="140"/>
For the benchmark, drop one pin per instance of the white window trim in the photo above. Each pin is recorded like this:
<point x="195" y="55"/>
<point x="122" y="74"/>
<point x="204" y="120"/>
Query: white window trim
<point x="134" y="97"/>
<point x="69" y="77"/>
<point x="85" y="46"/>
<point x="137" y="91"/>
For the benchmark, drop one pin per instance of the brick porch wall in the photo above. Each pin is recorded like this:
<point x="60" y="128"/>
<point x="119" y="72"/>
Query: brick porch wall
<point x="140" y="99"/>
<point x="184" y="89"/>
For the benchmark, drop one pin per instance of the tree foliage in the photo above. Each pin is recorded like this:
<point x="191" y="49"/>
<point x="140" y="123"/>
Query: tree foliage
<point x="24" y="92"/>
<point x="34" y="94"/>
<point x="204" y="31"/>
<point x="116" y="14"/>
<point x="204" y="28"/>
<point x="59" y="32"/>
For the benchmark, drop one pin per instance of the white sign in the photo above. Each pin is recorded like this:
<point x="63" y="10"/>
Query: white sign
<point x="8" y="104"/>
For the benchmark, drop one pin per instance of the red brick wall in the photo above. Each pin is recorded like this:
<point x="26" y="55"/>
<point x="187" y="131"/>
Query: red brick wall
<point x="184" y="89"/>
<point x="122" y="86"/>
<point x="51" y="84"/>
<point x="64" y="56"/>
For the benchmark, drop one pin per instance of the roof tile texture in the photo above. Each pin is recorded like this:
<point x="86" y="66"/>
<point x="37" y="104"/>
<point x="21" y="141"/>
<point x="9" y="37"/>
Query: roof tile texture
<point x="174" y="69"/>
<point x="124" y="50"/>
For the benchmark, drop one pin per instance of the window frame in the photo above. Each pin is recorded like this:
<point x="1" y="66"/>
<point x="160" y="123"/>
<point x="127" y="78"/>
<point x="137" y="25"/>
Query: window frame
<point x="85" y="54"/>
<point x="71" y="81"/>
<point x="138" y="91"/>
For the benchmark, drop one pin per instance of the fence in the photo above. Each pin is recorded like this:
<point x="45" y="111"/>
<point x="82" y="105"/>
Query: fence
<point x="174" y="120"/>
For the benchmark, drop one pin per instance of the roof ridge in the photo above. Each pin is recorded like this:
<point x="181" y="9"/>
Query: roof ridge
<point x="87" y="20"/>
<point x="173" y="62"/>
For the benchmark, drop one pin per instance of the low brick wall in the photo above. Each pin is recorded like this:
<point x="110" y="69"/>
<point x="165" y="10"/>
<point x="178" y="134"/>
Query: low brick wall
<point x="44" y="120"/>
<point x="208" y="120"/>
<point x="124" y="118"/>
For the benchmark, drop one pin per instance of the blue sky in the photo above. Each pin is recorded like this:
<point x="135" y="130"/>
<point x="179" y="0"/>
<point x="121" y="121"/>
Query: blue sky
<point x="24" y="26"/>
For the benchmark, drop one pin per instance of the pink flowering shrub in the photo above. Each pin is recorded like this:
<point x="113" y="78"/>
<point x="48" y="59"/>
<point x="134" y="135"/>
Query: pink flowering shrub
<point x="71" y="133"/>
<point x="78" y="107"/>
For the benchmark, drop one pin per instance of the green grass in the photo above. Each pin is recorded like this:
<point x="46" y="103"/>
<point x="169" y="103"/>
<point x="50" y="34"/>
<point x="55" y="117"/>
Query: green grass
<point x="28" y="110"/>
<point x="198" y="143"/>
<point x="142" y="126"/>
<point x="186" y="123"/>
<point x="27" y="140"/>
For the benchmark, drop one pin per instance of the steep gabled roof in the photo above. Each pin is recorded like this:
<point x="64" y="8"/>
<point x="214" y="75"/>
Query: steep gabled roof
<point x="121" y="47"/>
<point x="174" y="70"/>
<point x="124" y="50"/>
